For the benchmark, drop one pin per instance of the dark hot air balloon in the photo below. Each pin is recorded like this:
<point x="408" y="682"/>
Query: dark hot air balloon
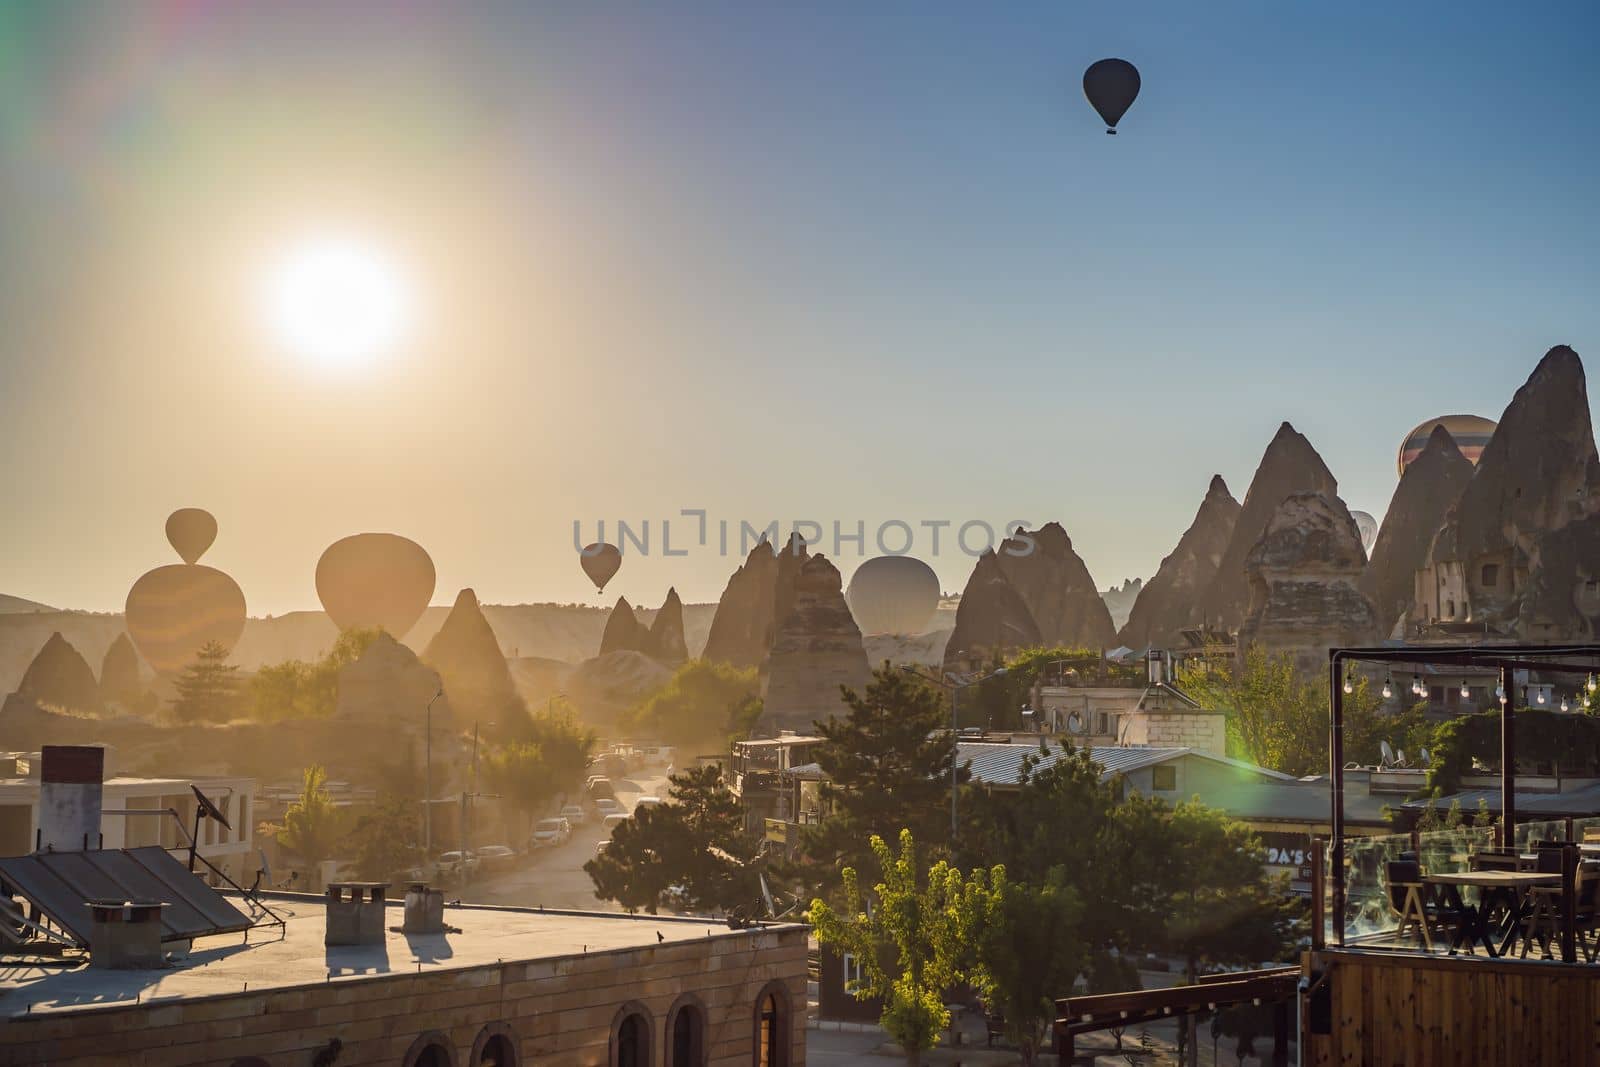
<point x="600" y="562"/>
<point x="375" y="579"/>
<point x="1111" y="85"/>
<point x="191" y="531"/>
<point x="893" y="595"/>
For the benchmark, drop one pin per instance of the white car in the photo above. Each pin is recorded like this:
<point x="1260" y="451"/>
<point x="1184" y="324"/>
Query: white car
<point x="498" y="857"/>
<point x="606" y="806"/>
<point x="614" y="820"/>
<point x="456" y="862"/>
<point x="550" y="832"/>
<point x="573" y="814"/>
<point x="646" y="802"/>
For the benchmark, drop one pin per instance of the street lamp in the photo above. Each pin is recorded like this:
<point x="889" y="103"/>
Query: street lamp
<point x="955" y="727"/>
<point x="427" y="780"/>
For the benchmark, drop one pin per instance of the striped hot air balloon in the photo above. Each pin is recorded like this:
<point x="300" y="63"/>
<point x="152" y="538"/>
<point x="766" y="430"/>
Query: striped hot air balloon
<point x="1470" y="432"/>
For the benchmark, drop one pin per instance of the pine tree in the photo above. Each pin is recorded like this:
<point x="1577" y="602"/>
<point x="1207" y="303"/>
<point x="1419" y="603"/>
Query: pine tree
<point x="207" y="688"/>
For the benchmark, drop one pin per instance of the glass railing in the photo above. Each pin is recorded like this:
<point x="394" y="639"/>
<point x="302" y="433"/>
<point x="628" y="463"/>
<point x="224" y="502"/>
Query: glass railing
<point x="1529" y="832"/>
<point x="1368" y="916"/>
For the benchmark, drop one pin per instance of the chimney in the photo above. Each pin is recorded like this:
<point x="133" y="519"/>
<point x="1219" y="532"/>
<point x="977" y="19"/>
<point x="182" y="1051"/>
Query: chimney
<point x="70" y="780"/>
<point x="355" y="913"/>
<point x="125" y="934"/>
<point x="424" y="910"/>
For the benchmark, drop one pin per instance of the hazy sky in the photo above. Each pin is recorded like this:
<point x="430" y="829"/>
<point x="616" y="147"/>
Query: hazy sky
<point x="817" y="261"/>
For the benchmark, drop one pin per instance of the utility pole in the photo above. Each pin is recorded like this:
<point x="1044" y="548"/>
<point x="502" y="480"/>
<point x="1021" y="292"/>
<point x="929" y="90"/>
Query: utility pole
<point x="427" y="781"/>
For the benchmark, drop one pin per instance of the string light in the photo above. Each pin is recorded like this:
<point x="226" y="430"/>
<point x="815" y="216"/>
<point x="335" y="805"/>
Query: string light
<point x="1388" y="687"/>
<point x="1465" y="692"/>
<point x="1349" y="682"/>
<point x="1417" y="687"/>
<point x="1539" y="695"/>
<point x="1592" y="683"/>
<point x="1564" y="703"/>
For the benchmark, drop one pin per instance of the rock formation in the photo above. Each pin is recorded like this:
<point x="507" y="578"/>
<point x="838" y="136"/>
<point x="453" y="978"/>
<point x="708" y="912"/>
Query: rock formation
<point x="758" y="595"/>
<point x="1289" y="465"/>
<point x="387" y="684"/>
<point x="624" y="632"/>
<point x="667" y="642"/>
<point x="1058" y="589"/>
<point x="605" y="687"/>
<point x="59" y="677"/>
<point x="467" y="656"/>
<point x="120" y="680"/>
<point x="1303" y="576"/>
<point x="816" y="650"/>
<point x="1431" y="483"/>
<point x="1538" y="475"/>
<point x="992" y="619"/>
<point x="1170" y="600"/>
<point x="1120" y="600"/>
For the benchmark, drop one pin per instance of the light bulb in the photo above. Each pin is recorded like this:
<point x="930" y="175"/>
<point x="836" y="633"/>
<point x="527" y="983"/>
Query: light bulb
<point x="1592" y="683"/>
<point x="1539" y="698"/>
<point x="1465" y="692"/>
<point x="1564" y="704"/>
<point x="1349" y="683"/>
<point x="1500" y="692"/>
<point x="1416" y="685"/>
<point x="1388" y="688"/>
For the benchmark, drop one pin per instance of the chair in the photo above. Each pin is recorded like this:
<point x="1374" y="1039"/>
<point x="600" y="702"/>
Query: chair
<point x="1591" y="835"/>
<point x="1545" y="921"/>
<point x="1494" y="861"/>
<point x="1408" y="898"/>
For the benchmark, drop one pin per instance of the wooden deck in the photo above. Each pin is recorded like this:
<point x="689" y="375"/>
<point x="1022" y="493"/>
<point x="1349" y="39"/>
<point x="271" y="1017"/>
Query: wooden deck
<point x="1419" y="1010"/>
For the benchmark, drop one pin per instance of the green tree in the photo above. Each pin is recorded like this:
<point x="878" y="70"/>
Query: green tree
<point x="565" y="745"/>
<point x="910" y="939"/>
<point x="996" y="702"/>
<point x="1028" y="947"/>
<point x="695" y="839"/>
<point x="313" y="826"/>
<point x="888" y="765"/>
<point x="703" y="707"/>
<point x="295" y="689"/>
<point x="518" y="772"/>
<point x="386" y="839"/>
<point x="207" y="688"/>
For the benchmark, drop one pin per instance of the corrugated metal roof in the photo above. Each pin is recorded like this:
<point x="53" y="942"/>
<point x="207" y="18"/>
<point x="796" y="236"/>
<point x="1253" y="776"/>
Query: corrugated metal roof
<point x="993" y="764"/>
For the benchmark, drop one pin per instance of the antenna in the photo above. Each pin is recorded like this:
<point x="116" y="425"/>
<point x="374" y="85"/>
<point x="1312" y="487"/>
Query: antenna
<point x="1427" y="760"/>
<point x="1388" y="754"/>
<point x="1400" y="758"/>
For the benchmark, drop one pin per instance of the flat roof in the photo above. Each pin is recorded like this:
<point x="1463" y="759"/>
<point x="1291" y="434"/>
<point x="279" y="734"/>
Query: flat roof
<point x="262" y="959"/>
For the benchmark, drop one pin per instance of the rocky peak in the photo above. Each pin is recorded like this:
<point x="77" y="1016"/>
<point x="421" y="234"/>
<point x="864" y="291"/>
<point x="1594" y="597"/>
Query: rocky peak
<point x="1170" y="599"/>
<point x="992" y="619"/>
<point x="816" y="650"/>
<point x="1289" y="465"/>
<point x="741" y="629"/>
<point x="60" y="677"/>
<point x="388" y="684"/>
<point x="467" y="655"/>
<point x="624" y="632"/>
<point x="1430" y="485"/>
<point x="1303" y="574"/>
<point x="667" y="642"/>
<point x="120" y="680"/>
<point x="1057" y="588"/>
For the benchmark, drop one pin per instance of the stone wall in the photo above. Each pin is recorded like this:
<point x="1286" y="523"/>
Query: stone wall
<point x="1204" y="731"/>
<point x="558" y="1013"/>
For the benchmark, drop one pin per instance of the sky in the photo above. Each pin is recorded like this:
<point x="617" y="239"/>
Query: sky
<point x="825" y="262"/>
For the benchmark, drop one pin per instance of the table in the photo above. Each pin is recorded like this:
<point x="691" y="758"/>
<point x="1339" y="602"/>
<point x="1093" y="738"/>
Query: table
<point x="1514" y="885"/>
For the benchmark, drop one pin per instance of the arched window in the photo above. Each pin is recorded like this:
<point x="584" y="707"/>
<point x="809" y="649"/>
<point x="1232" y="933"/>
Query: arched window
<point x="496" y="1046"/>
<point x="686" y="1033"/>
<point x="431" y="1049"/>
<point x="772" y="1027"/>
<point x="630" y="1037"/>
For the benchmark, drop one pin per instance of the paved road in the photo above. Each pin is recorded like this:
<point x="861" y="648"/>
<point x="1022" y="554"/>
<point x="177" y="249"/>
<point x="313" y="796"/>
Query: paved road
<point x="554" y="877"/>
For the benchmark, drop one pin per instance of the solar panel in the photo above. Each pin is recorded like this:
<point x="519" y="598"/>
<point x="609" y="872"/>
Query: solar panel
<point x="62" y="884"/>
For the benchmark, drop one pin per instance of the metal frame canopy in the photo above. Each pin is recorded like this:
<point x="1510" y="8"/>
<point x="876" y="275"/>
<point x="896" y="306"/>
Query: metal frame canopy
<point x="1555" y="659"/>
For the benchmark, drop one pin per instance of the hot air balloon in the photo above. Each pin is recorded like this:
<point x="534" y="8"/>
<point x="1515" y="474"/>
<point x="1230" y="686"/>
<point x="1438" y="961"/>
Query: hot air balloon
<point x="1471" y="434"/>
<point x="1368" y="527"/>
<point x="191" y="531"/>
<point x="600" y="562"/>
<point x="893" y="594"/>
<point x="1111" y="85"/>
<point x="375" y="579"/>
<point x="173" y="610"/>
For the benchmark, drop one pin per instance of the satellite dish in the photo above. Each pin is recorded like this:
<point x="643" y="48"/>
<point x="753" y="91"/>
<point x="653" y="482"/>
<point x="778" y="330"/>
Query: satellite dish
<point x="1400" y="758"/>
<point x="1388" y="753"/>
<point x="1075" y="723"/>
<point x="208" y="809"/>
<point x="1427" y="760"/>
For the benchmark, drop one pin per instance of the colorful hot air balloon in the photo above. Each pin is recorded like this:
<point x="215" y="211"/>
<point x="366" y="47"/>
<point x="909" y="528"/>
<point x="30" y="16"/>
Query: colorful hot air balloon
<point x="1470" y="433"/>
<point x="375" y="579"/>
<point x="173" y="610"/>
<point x="1368" y="526"/>
<point x="893" y="594"/>
<point x="191" y="531"/>
<point x="600" y="562"/>
<point x="1111" y="85"/>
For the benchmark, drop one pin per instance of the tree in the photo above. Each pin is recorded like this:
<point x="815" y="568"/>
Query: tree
<point x="518" y="772"/>
<point x="909" y="939"/>
<point x="695" y="840"/>
<point x="888" y="765"/>
<point x="313" y="826"/>
<point x="1278" y="718"/>
<point x="207" y="688"/>
<point x="996" y="702"/>
<point x="295" y="689"/>
<point x="386" y="839"/>
<point x="704" y="706"/>
<point x="565" y="745"/>
<point x="1028" y="948"/>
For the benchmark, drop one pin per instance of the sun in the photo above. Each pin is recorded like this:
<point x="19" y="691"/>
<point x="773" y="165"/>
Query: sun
<point x="337" y="301"/>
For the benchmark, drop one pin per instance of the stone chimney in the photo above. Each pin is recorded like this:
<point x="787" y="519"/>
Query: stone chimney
<point x="125" y="934"/>
<point x="424" y="910"/>
<point x="70" y="797"/>
<point x="355" y="913"/>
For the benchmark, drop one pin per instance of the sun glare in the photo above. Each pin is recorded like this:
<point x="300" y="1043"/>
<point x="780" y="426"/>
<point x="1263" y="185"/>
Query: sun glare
<point x="337" y="302"/>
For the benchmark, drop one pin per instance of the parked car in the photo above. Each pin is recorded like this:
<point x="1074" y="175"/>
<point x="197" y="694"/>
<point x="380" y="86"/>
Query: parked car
<point x="606" y="806"/>
<point x="600" y="847"/>
<point x="599" y="788"/>
<point x="453" y="863"/>
<point x="645" y="801"/>
<point x="676" y="897"/>
<point x="548" y="833"/>
<point x="573" y="814"/>
<point x="614" y="820"/>
<point x="496" y="857"/>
